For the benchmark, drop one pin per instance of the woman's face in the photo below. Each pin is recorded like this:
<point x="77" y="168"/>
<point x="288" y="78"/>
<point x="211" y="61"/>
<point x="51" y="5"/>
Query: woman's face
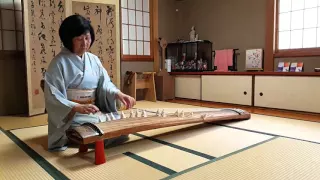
<point x="81" y="44"/>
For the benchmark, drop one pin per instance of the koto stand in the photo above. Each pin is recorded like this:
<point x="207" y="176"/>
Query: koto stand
<point x="163" y="79"/>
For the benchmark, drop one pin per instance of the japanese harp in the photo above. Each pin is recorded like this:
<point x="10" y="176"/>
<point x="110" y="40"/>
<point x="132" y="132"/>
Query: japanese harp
<point x="90" y="133"/>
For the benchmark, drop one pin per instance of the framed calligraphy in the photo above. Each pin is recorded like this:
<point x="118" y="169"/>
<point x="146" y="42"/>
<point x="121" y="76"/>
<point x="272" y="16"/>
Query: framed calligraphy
<point x="104" y="16"/>
<point x="42" y="19"/>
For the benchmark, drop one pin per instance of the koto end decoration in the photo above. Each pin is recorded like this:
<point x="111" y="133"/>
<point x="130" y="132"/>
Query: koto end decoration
<point x="95" y="133"/>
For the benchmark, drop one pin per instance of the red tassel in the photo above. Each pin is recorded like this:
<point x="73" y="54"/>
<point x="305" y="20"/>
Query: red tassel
<point x="99" y="153"/>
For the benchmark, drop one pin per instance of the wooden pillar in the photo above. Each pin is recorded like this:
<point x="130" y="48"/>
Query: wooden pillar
<point x="155" y="30"/>
<point x="270" y="36"/>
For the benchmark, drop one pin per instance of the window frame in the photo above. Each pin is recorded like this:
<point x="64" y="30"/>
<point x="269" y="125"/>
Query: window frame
<point x="12" y="54"/>
<point x="152" y="19"/>
<point x="283" y="53"/>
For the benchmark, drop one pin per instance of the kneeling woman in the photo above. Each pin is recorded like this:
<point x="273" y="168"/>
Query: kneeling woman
<point x="73" y="73"/>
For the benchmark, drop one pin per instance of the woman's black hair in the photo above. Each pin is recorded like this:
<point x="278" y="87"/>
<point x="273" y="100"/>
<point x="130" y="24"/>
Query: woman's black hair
<point x="73" y="26"/>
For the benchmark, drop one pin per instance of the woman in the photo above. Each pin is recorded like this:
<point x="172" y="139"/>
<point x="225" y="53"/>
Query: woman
<point x="77" y="87"/>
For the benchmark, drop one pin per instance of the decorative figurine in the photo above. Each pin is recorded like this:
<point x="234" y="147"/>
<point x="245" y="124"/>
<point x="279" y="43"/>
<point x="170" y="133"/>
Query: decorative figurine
<point x="205" y="66"/>
<point x="197" y="37"/>
<point x="192" y="34"/>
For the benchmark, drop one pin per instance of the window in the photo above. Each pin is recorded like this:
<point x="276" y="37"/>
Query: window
<point x="136" y="29"/>
<point x="11" y="26"/>
<point x="298" y="27"/>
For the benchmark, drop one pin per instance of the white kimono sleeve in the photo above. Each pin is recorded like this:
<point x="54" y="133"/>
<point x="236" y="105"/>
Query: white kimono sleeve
<point x="57" y="103"/>
<point x="58" y="107"/>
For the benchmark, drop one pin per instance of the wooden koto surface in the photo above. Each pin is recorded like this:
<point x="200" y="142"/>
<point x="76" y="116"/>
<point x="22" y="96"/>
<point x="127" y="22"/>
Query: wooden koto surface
<point x="86" y="134"/>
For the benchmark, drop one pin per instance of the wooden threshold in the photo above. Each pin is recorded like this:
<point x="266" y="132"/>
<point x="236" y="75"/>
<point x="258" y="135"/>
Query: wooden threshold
<point x="305" y="116"/>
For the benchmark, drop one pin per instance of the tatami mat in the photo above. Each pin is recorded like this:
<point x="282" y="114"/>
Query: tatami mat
<point x="159" y="153"/>
<point x="81" y="166"/>
<point x="209" y="139"/>
<point x="278" y="159"/>
<point x="161" y="104"/>
<point x="74" y="166"/>
<point x="193" y="147"/>
<point x="16" y="164"/>
<point x="12" y="122"/>
<point x="304" y="130"/>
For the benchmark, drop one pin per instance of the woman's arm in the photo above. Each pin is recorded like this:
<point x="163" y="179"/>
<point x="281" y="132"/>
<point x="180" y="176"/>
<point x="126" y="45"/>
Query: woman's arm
<point x="128" y="101"/>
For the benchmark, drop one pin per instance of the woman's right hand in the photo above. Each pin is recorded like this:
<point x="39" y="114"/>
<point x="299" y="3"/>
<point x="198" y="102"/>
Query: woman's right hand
<point x="85" y="108"/>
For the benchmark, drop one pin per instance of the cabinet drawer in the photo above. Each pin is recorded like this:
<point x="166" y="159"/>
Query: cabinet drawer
<point x="227" y="89"/>
<point x="291" y="93"/>
<point x="188" y="87"/>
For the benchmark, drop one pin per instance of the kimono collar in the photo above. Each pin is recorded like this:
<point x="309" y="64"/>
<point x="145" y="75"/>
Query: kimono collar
<point x="65" y="50"/>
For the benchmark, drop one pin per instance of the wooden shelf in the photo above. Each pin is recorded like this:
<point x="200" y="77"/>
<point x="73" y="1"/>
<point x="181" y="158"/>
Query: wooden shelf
<point x="249" y="73"/>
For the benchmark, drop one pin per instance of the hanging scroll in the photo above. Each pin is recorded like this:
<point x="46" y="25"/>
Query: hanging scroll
<point x="42" y="19"/>
<point x="103" y="17"/>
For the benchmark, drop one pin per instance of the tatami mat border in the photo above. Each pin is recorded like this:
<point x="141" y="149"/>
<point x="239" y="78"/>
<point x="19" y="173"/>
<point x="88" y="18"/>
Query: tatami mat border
<point x="207" y="156"/>
<point x="50" y="169"/>
<point x="269" y="134"/>
<point x="217" y="159"/>
<point x="150" y="163"/>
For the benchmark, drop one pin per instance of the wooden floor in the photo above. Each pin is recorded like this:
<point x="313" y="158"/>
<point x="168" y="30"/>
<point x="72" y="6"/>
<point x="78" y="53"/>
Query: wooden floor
<point x="264" y="111"/>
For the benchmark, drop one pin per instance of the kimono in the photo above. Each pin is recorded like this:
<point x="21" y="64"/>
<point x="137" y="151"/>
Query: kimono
<point x="69" y="71"/>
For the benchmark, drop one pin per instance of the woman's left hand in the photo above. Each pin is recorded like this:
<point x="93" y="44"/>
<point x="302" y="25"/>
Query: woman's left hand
<point x="128" y="101"/>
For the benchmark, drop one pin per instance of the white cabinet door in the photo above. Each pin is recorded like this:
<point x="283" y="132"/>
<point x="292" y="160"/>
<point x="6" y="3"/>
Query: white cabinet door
<point x="288" y="92"/>
<point x="227" y="89"/>
<point x="188" y="87"/>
